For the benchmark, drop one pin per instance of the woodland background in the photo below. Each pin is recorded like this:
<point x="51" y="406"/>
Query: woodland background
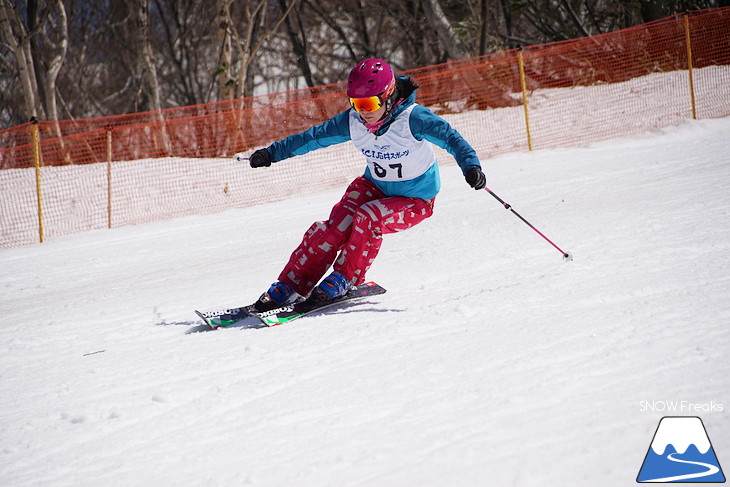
<point x="68" y="59"/>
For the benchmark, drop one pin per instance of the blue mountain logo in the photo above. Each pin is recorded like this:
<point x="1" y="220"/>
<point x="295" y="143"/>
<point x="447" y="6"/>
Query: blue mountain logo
<point x="681" y="452"/>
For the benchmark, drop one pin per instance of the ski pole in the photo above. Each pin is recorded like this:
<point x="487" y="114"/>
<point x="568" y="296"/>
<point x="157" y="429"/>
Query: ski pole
<point x="567" y="256"/>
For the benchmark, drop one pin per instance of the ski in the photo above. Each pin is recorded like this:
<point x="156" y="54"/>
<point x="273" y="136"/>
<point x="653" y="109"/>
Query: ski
<point x="247" y="316"/>
<point x="227" y="317"/>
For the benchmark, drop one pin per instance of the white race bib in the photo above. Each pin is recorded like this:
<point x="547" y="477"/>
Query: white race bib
<point x="396" y="155"/>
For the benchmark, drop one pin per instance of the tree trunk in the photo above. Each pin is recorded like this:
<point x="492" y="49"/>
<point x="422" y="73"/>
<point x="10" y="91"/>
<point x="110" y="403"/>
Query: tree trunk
<point x="298" y="47"/>
<point x="54" y="65"/>
<point x="448" y="38"/>
<point x="145" y="58"/>
<point x="484" y="26"/>
<point x="508" y="26"/>
<point x="226" y="82"/>
<point x="250" y="43"/>
<point x="20" y="47"/>
<point x="147" y="71"/>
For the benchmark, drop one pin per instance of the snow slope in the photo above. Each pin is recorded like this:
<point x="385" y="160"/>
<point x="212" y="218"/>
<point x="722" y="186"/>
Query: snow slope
<point x="489" y="362"/>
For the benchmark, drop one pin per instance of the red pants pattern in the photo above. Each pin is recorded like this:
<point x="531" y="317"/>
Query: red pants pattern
<point x="354" y="230"/>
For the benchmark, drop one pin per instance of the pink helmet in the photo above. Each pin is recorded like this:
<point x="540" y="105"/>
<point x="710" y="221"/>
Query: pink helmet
<point x="370" y="77"/>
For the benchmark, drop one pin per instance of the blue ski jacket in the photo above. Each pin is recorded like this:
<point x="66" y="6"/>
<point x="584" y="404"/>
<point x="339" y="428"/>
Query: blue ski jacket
<point x="424" y="125"/>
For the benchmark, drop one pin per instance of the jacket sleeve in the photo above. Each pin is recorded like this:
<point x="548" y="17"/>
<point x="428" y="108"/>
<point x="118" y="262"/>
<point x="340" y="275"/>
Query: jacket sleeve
<point x="334" y="131"/>
<point x="427" y="125"/>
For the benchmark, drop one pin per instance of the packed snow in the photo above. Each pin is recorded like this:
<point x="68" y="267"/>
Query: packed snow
<point x="490" y="361"/>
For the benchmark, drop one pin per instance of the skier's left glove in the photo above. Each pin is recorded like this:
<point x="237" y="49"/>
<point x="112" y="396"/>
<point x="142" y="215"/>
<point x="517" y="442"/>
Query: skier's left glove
<point x="476" y="178"/>
<point x="260" y="158"/>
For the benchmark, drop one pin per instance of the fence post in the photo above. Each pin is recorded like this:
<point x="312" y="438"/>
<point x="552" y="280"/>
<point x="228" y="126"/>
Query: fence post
<point x="521" y="64"/>
<point x="37" y="157"/>
<point x="689" y="64"/>
<point x="109" y="176"/>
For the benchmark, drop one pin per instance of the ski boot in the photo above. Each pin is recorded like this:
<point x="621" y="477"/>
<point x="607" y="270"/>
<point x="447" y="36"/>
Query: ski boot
<point x="332" y="287"/>
<point x="279" y="294"/>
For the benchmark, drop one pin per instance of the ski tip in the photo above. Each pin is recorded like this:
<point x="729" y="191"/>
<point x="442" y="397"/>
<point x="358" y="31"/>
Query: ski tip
<point x="205" y="320"/>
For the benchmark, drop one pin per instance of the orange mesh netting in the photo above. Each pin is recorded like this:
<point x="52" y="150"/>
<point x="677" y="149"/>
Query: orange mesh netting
<point x="69" y="176"/>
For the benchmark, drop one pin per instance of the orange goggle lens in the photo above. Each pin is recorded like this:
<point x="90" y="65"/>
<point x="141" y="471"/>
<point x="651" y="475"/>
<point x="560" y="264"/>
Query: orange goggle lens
<point x="369" y="104"/>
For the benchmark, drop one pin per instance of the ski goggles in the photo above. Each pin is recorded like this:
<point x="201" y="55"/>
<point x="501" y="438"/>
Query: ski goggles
<point x="372" y="103"/>
<point x="368" y="104"/>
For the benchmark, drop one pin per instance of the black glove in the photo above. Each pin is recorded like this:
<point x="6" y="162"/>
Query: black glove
<point x="476" y="178"/>
<point x="260" y="158"/>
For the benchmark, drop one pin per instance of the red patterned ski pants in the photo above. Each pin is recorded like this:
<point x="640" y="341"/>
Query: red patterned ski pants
<point x="354" y="231"/>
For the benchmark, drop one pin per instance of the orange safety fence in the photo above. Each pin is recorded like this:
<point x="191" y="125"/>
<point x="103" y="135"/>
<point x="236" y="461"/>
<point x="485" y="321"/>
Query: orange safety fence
<point x="69" y="176"/>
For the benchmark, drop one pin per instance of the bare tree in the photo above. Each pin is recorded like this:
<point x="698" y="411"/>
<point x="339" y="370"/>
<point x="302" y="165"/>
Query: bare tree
<point x="444" y="30"/>
<point x="17" y="38"/>
<point x="39" y="48"/>
<point x="226" y="83"/>
<point x="251" y="44"/>
<point x="298" y="38"/>
<point x="55" y="45"/>
<point x="145" y="63"/>
<point x="89" y="59"/>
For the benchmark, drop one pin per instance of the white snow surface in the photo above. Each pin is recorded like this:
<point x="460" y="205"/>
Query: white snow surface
<point x="490" y="361"/>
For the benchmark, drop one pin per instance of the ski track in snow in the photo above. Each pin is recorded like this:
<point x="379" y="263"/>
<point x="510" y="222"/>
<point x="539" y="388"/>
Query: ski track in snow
<point x="489" y="361"/>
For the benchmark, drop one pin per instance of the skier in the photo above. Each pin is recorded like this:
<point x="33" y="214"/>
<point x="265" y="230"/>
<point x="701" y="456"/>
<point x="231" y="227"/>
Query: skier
<point x="396" y="191"/>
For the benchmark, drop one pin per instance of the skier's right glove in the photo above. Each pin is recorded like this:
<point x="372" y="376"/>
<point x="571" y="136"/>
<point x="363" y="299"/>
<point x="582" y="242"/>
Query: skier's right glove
<point x="260" y="158"/>
<point x="476" y="178"/>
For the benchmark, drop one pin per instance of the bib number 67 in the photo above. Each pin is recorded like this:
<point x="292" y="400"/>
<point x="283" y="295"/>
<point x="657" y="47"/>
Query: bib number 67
<point x="381" y="172"/>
